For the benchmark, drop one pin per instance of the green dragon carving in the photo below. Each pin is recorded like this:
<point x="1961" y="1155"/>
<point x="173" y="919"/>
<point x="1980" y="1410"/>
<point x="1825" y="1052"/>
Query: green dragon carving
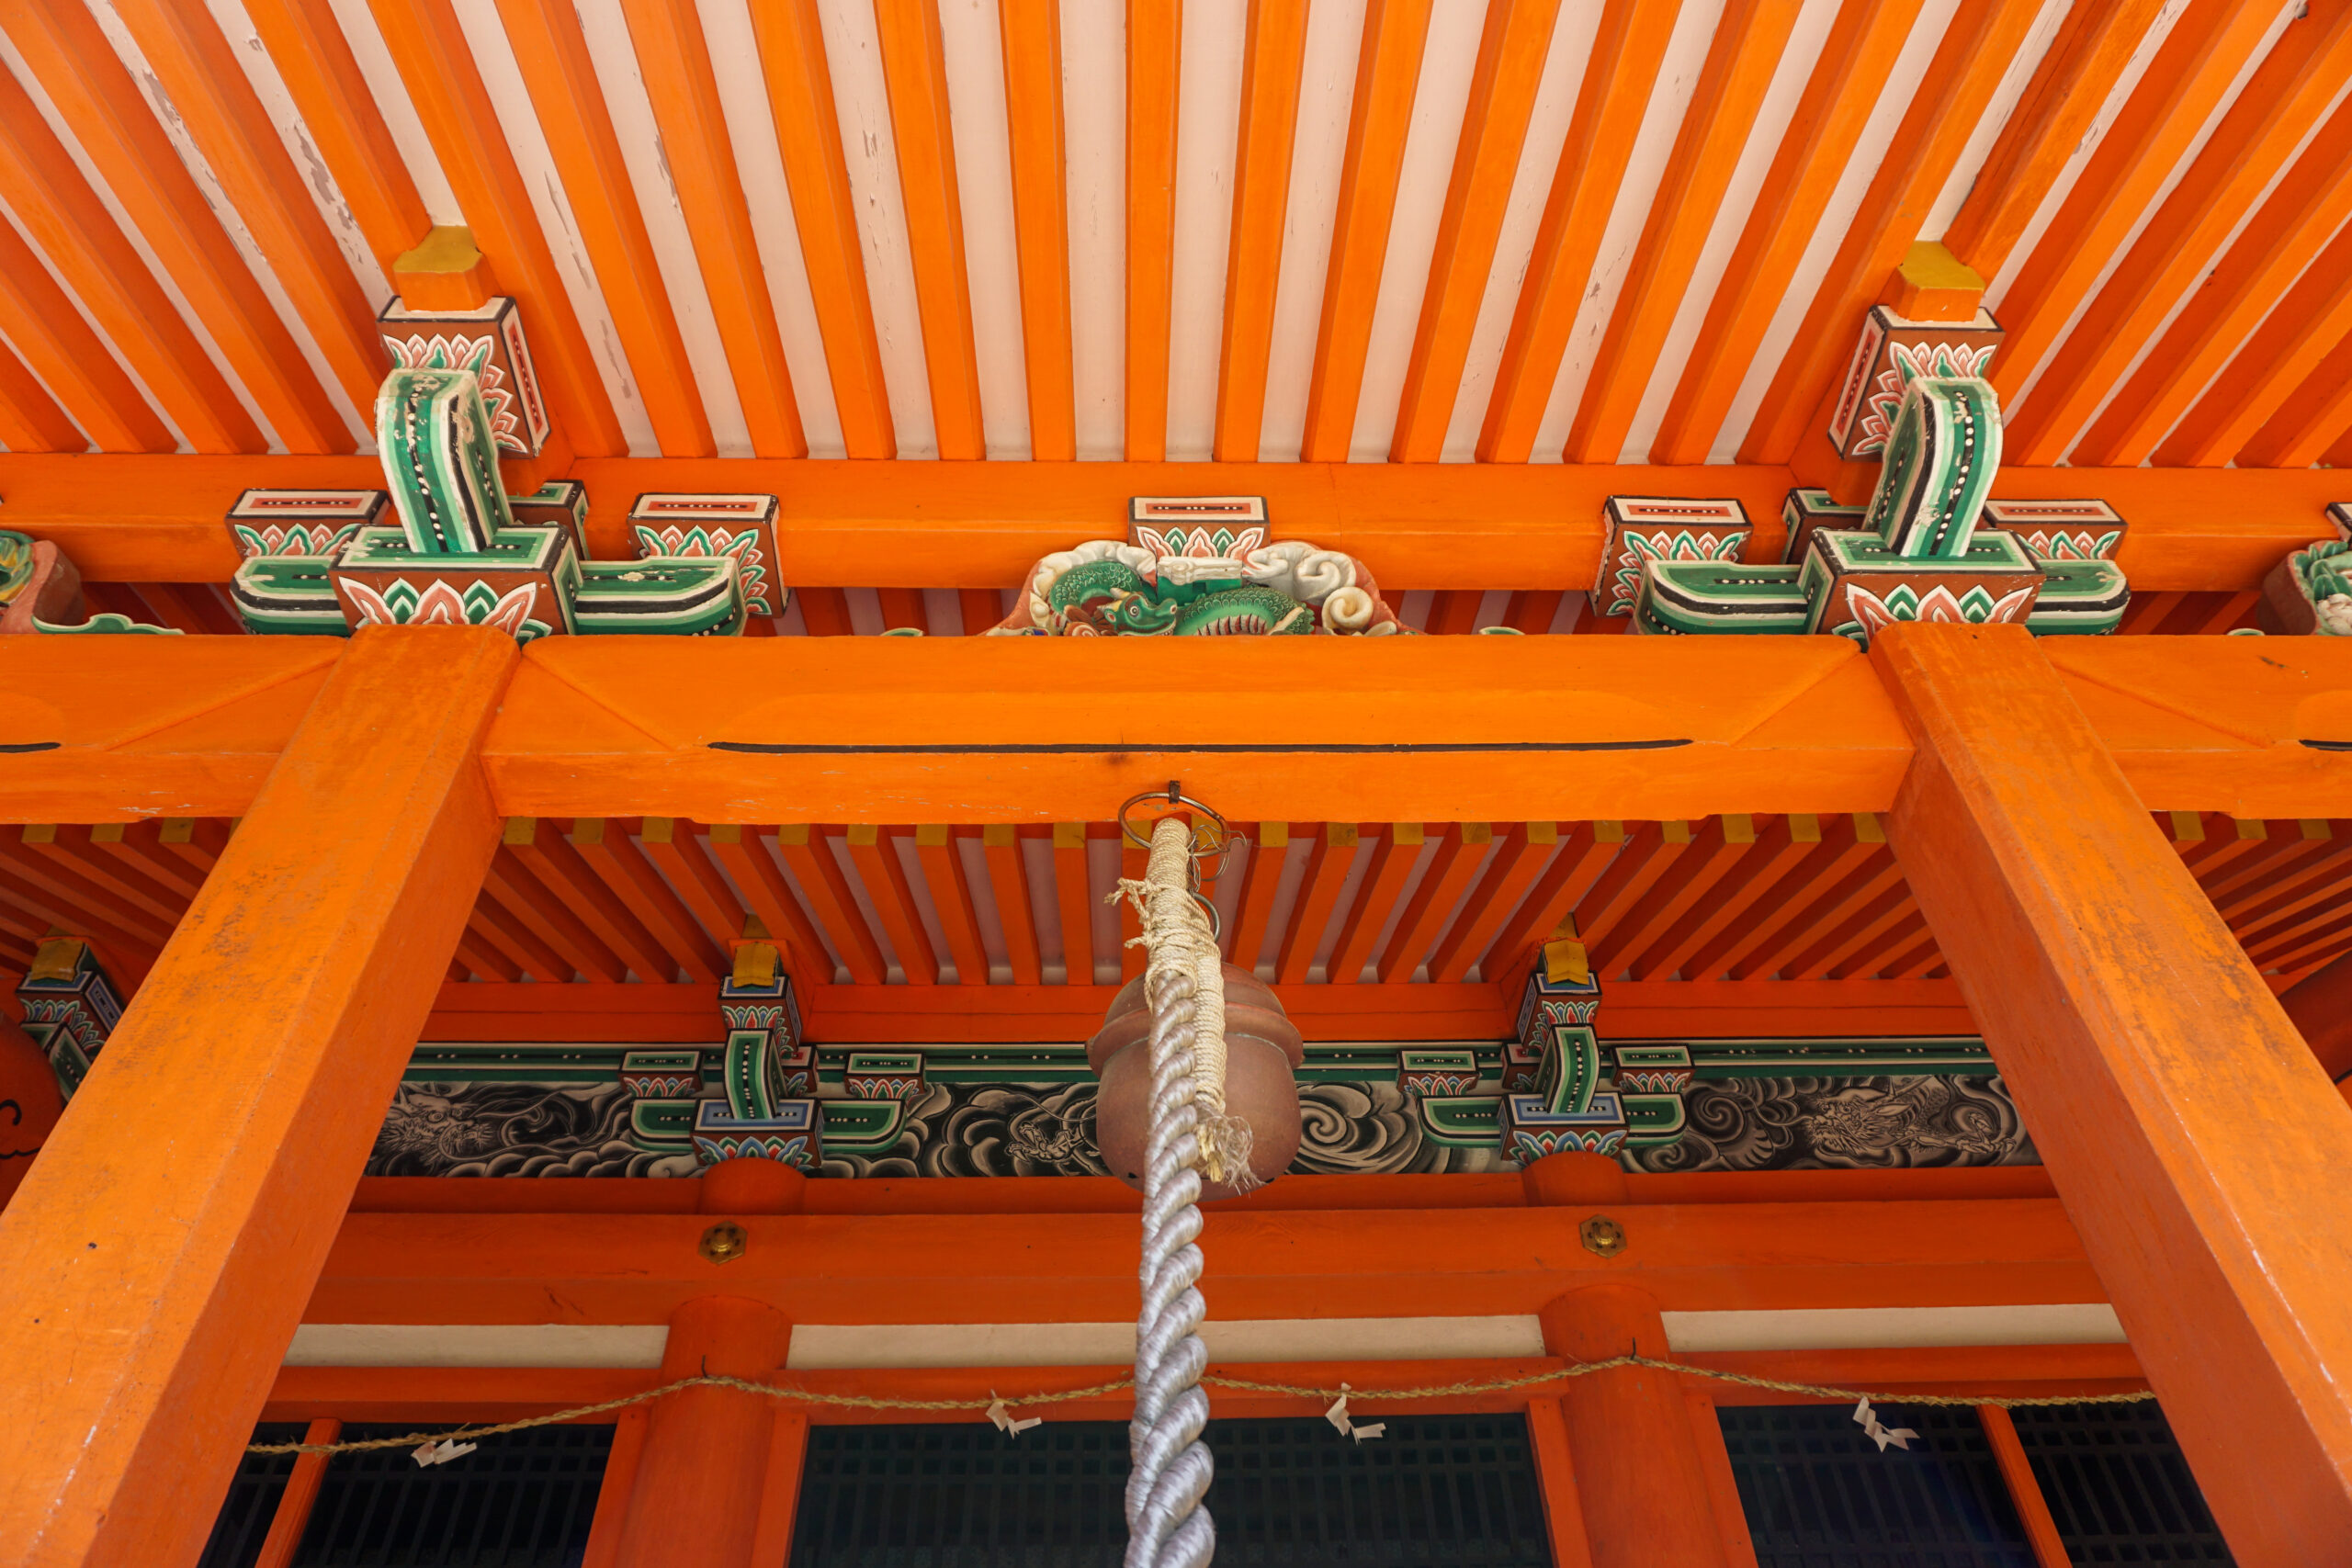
<point x="1111" y="599"/>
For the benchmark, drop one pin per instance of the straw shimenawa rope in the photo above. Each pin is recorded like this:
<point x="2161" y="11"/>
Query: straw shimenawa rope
<point x="1184" y="987"/>
<point x="1213" y="1380"/>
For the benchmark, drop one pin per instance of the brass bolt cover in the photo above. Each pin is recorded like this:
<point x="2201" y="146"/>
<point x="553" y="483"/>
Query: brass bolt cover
<point x="1603" y="1238"/>
<point x="725" y="1242"/>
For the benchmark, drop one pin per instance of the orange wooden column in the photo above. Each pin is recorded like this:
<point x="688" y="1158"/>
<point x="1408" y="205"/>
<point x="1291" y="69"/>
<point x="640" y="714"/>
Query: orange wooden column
<point x="2198" y="1145"/>
<point x="160" y="1252"/>
<point x="704" y="1477"/>
<point x="1639" y="1480"/>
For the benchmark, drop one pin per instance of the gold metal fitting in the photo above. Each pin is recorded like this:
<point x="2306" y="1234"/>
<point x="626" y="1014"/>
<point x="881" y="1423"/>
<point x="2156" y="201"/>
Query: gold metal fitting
<point x="725" y="1242"/>
<point x="1603" y="1238"/>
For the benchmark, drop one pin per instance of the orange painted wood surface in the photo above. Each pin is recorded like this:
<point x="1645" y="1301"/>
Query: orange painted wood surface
<point x="1556" y="1473"/>
<point x="1270" y="63"/>
<point x="983" y="525"/>
<point x="1155" y="52"/>
<point x="604" y="1544"/>
<point x="158" y="1278"/>
<point x="780" y="1488"/>
<point x="1263" y="1261"/>
<point x="2100" y="973"/>
<point x="695" y="1498"/>
<point x="1645" y="1489"/>
<point x="1032" y="33"/>
<point x="294" y="1504"/>
<point x="2025" y="1491"/>
<point x="1388" y="72"/>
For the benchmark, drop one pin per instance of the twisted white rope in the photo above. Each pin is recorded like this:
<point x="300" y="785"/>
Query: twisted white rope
<point x="1185" y="987"/>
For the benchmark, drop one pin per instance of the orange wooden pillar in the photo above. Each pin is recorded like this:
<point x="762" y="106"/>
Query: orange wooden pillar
<point x="704" y="1472"/>
<point x="158" y="1256"/>
<point x="2198" y="1147"/>
<point x="1635" y="1470"/>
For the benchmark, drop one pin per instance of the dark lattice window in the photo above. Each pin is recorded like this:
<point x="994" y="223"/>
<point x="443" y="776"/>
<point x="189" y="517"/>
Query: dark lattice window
<point x="252" y="1502"/>
<point x="522" y="1500"/>
<point x="2117" y="1485"/>
<point x="1435" y="1491"/>
<point x="1818" y="1493"/>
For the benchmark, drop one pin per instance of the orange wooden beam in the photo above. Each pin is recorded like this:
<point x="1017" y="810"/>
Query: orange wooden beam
<point x="756" y="874"/>
<point x="951" y="897"/>
<point x="1511" y="53"/>
<point x="1627" y="52"/>
<point x="436" y="65"/>
<point x="195" y="65"/>
<point x="2198" y="61"/>
<point x="1154" y="49"/>
<point x="807" y="133"/>
<point x="1032" y="99"/>
<point x="1388" y="72"/>
<point x="142" y="1358"/>
<point x="2090" y="957"/>
<point x="1977" y="48"/>
<point x="1724" y="104"/>
<point x="1327" y="863"/>
<point x="809" y="854"/>
<point x="1855" y="60"/>
<point x="1528" y="848"/>
<point x="322" y="77"/>
<point x="1272" y="1261"/>
<point x="1016" y="917"/>
<point x="546" y="918"/>
<point x="614" y="856"/>
<point x="552" y="54"/>
<point x="916" y="72"/>
<point x="1074" y="903"/>
<point x="1270" y="63"/>
<point x="667" y="37"/>
<point x="2175" y="254"/>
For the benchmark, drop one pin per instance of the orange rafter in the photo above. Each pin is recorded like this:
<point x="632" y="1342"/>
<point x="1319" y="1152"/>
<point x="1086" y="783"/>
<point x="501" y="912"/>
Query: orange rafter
<point x="2175" y="254"/>
<point x="1969" y="64"/>
<point x="1327" y="862"/>
<point x="1730" y="89"/>
<point x="436" y="65"/>
<point x="546" y="915"/>
<point x="688" y="867"/>
<point x="1270" y="63"/>
<point x="2291" y="382"/>
<point x="95" y="94"/>
<point x="1393" y="859"/>
<point x="42" y="325"/>
<point x="340" y="115"/>
<point x="1846" y="895"/>
<point x="1836" y="849"/>
<point x="1459" y="857"/>
<point x="1652" y="851"/>
<point x="808" y="137"/>
<point x="902" y="609"/>
<point x="1009" y="885"/>
<point x="1714" y="853"/>
<point x="700" y="156"/>
<point x="1155" y="42"/>
<point x="30" y="420"/>
<point x="1388" y="70"/>
<point x="1072" y="903"/>
<point x="1584" y="855"/>
<point x="809" y="857"/>
<point x="761" y="886"/>
<point x="1838" y="97"/>
<point x="127" y="887"/>
<point x="1618" y="78"/>
<point x="916" y="72"/>
<point x="1527" y="849"/>
<point x="484" y="959"/>
<point x="2203" y="54"/>
<point x="1778" y="848"/>
<point x="614" y="858"/>
<point x="553" y="56"/>
<point x="875" y="856"/>
<point x="2072" y="80"/>
<point x="1032" y="100"/>
<point x="951" y="897"/>
<point x="1865" y="923"/>
<point x="1260" y="879"/>
<point x="139" y="844"/>
<point x="67" y="222"/>
<point x="1485" y="160"/>
<point x="559" y="864"/>
<point x="501" y="929"/>
<point x="223" y="116"/>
